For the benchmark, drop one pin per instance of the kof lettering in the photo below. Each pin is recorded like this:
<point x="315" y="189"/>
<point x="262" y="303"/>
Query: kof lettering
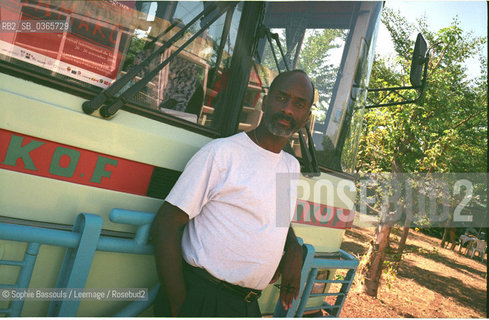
<point x="64" y="161"/>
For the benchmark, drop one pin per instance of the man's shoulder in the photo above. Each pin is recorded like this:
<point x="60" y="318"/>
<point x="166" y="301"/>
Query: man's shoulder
<point x="226" y="142"/>
<point x="291" y="161"/>
<point x="222" y="148"/>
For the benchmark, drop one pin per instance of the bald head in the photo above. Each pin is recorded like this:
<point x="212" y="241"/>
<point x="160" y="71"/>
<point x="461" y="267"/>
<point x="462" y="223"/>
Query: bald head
<point x="286" y="74"/>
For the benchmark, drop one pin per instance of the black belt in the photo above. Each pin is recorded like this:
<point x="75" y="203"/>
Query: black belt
<point x="247" y="294"/>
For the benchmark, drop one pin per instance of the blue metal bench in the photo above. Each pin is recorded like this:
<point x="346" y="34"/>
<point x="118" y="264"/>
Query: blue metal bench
<point x="81" y="244"/>
<point x="85" y="239"/>
<point x="311" y="265"/>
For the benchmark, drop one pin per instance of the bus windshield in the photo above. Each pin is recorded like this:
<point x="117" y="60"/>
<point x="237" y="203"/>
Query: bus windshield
<point x="316" y="37"/>
<point x="90" y="44"/>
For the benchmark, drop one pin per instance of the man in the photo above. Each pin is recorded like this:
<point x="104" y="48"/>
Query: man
<point x="232" y="244"/>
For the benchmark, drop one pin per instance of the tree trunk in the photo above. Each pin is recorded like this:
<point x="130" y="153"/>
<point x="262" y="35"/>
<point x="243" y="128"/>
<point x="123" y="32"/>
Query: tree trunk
<point x="375" y="260"/>
<point x="450" y="236"/>
<point x="404" y="235"/>
<point x="444" y="238"/>
<point x="376" y="254"/>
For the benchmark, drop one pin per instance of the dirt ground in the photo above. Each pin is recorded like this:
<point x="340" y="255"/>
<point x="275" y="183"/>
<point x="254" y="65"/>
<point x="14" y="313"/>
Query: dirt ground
<point x="431" y="282"/>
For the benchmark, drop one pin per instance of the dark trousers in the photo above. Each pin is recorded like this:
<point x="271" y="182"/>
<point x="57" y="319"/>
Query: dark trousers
<point x="206" y="299"/>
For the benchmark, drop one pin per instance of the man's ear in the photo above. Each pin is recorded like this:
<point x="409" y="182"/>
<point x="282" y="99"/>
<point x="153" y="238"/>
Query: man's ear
<point x="264" y="102"/>
<point x="306" y="121"/>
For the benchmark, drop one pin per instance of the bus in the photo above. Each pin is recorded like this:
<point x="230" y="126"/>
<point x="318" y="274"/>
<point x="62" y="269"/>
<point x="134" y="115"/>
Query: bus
<point x="104" y="102"/>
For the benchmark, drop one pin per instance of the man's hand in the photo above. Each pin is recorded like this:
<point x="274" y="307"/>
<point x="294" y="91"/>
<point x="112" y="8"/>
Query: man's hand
<point x="290" y="268"/>
<point x="176" y="299"/>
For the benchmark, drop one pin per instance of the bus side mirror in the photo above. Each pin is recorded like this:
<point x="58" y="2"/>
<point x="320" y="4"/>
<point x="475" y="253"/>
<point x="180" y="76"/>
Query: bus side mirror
<point x="418" y="61"/>
<point x="417" y="77"/>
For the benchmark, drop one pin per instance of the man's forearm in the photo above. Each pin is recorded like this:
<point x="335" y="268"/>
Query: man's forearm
<point x="291" y="242"/>
<point x="168" y="255"/>
<point x="291" y="270"/>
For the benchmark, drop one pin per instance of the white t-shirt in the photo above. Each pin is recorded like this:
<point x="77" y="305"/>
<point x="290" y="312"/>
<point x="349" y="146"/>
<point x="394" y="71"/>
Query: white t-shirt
<point x="229" y="190"/>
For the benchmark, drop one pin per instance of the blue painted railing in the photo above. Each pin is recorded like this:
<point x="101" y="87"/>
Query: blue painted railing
<point x="311" y="265"/>
<point x="85" y="239"/>
<point x="26" y="265"/>
<point x="81" y="244"/>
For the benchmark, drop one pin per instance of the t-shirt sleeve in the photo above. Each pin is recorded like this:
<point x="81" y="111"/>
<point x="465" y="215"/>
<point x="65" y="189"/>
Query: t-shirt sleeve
<point x="195" y="186"/>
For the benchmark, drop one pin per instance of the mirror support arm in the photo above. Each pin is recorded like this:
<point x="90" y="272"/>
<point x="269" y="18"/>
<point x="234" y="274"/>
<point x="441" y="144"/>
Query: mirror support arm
<point x="421" y="89"/>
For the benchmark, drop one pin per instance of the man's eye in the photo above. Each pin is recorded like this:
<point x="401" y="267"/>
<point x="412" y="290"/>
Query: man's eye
<point x="281" y="98"/>
<point x="300" y="105"/>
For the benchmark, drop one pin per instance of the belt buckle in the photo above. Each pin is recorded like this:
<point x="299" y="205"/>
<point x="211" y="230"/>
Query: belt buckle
<point x="251" y="296"/>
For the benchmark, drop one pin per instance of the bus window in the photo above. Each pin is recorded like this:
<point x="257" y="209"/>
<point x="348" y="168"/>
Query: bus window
<point x="251" y="112"/>
<point x="331" y="42"/>
<point x="358" y="101"/>
<point x="89" y="53"/>
<point x="105" y="39"/>
<point x="328" y="118"/>
<point x="316" y="45"/>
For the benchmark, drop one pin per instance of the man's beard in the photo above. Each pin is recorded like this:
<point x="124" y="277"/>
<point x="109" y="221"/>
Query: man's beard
<point x="277" y="130"/>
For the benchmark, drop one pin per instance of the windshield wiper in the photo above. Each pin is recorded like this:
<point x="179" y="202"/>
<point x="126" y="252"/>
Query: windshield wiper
<point x="213" y="12"/>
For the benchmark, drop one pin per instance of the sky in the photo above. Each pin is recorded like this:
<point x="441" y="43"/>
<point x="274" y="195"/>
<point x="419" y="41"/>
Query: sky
<point x="471" y="14"/>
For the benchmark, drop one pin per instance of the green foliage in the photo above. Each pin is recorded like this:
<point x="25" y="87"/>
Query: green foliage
<point x="447" y="131"/>
<point x="389" y="270"/>
<point x="338" y="276"/>
<point x="136" y="46"/>
<point x="314" y="57"/>
<point x="316" y="50"/>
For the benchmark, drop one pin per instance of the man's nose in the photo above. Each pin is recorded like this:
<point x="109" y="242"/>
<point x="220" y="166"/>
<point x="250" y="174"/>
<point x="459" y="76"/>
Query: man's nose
<point x="288" y="107"/>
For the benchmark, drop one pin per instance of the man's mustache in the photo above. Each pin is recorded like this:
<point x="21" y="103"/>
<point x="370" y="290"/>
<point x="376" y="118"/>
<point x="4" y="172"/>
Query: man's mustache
<point x="278" y="116"/>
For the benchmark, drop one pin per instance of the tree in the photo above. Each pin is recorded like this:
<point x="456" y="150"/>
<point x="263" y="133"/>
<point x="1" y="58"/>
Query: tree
<point x="446" y="132"/>
<point x="314" y="59"/>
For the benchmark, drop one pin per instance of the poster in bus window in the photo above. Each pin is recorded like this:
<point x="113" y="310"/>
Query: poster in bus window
<point x="90" y="52"/>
